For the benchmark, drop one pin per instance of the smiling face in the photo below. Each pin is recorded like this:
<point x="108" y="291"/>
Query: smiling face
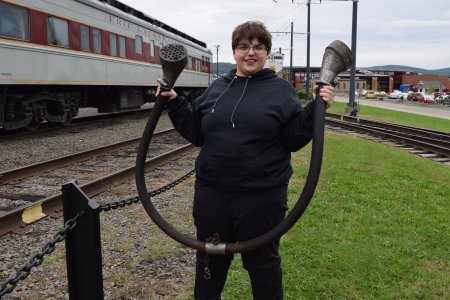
<point x="250" y="57"/>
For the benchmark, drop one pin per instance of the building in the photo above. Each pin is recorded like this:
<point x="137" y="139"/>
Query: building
<point x="385" y="80"/>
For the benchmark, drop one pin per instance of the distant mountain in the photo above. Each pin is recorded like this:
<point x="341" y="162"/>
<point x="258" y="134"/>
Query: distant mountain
<point x="439" y="72"/>
<point x="224" y="68"/>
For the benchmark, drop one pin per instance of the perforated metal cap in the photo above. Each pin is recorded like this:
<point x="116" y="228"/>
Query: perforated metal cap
<point x="173" y="60"/>
<point x="173" y="52"/>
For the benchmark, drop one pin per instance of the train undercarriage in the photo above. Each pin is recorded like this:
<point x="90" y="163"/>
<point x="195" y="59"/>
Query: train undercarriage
<point x="29" y="106"/>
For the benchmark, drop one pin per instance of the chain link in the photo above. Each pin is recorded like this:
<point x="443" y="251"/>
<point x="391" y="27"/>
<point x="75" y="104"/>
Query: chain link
<point x="135" y="199"/>
<point x="11" y="282"/>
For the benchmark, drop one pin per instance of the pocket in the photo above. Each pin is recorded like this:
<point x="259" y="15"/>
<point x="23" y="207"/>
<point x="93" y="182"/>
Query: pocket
<point x="232" y="169"/>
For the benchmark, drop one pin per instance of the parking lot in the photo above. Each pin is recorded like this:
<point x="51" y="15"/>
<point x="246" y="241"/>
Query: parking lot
<point x="426" y="109"/>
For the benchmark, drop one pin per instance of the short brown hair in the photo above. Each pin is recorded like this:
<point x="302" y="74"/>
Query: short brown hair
<point x="250" y="30"/>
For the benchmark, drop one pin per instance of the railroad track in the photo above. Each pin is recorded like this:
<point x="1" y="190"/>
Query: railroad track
<point x="34" y="169"/>
<point x="431" y="144"/>
<point x="35" y="207"/>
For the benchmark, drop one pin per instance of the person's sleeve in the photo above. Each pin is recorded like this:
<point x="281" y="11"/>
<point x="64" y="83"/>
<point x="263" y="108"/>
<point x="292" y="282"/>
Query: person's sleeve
<point x="186" y="120"/>
<point x="298" y="131"/>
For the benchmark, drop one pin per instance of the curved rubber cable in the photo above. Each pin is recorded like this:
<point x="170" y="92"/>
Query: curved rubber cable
<point x="250" y="245"/>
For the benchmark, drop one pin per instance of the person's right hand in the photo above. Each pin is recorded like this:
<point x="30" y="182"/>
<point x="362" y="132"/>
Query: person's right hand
<point x="169" y="94"/>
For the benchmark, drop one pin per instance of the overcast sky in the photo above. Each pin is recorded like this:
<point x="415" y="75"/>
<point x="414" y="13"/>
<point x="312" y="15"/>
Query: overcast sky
<point x="401" y="32"/>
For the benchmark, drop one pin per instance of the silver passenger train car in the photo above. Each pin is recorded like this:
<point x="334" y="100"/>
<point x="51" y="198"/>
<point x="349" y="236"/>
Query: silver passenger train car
<point x="59" y="55"/>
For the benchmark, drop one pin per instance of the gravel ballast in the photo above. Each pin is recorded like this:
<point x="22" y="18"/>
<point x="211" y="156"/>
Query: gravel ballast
<point x="139" y="260"/>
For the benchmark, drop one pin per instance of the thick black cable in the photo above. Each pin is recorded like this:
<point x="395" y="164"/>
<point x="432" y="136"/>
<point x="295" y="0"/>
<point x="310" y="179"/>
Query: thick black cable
<point x="275" y="233"/>
<point x="337" y="58"/>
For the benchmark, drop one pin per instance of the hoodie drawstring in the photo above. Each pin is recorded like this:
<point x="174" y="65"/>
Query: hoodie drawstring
<point x="239" y="101"/>
<point x="220" y="96"/>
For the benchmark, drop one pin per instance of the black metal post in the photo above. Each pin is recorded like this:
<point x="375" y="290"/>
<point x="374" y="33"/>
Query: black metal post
<point x="83" y="245"/>
<point x="217" y="59"/>
<point x="353" y="68"/>
<point x="308" y="50"/>
<point x="291" y="75"/>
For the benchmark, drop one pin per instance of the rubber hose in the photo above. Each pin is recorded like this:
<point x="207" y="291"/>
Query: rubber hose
<point x="228" y="248"/>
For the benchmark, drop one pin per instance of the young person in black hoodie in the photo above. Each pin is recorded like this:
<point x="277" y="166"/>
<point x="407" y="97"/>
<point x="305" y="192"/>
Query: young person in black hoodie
<point x="247" y="124"/>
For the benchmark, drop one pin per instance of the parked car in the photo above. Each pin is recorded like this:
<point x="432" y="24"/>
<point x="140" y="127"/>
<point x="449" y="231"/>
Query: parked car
<point x="371" y="94"/>
<point x="404" y="96"/>
<point x="416" y="97"/>
<point x="422" y="97"/>
<point x="380" y="95"/>
<point x="428" y="98"/>
<point x="395" y="95"/>
<point x="443" y="98"/>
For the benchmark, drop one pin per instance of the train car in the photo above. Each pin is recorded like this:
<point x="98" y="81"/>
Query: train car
<point x="59" y="55"/>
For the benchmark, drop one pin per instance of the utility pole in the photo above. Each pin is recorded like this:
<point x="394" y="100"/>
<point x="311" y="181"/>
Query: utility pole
<point x="308" y="47"/>
<point x="217" y="57"/>
<point x="291" y="78"/>
<point x="353" y="68"/>
<point x="292" y="48"/>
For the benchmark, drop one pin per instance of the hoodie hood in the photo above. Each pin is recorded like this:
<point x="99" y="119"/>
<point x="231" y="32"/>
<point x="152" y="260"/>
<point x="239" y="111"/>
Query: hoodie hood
<point x="263" y="74"/>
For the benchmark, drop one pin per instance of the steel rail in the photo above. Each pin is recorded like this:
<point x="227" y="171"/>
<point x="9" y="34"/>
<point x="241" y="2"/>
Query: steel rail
<point x="33" y="169"/>
<point x="13" y="221"/>
<point x="398" y="127"/>
<point x="443" y="149"/>
<point x="429" y="138"/>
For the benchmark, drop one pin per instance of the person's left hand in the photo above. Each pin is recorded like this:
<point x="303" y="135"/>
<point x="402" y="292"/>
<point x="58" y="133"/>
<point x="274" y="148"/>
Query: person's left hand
<point x="327" y="93"/>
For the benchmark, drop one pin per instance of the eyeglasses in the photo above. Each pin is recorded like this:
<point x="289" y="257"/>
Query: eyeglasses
<point x="246" y="48"/>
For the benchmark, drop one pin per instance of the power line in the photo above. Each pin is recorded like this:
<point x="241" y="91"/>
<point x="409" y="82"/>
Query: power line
<point x="300" y="7"/>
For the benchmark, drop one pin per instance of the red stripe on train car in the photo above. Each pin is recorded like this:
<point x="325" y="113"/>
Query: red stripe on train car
<point x="105" y="42"/>
<point x="74" y="35"/>
<point x="38" y="27"/>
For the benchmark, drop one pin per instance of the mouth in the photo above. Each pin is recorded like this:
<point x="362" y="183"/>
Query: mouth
<point x="250" y="61"/>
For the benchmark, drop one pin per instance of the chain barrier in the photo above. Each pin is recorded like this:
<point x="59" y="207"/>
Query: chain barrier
<point x="11" y="282"/>
<point x="135" y="199"/>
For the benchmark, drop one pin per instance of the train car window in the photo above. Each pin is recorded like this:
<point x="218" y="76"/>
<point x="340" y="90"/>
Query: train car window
<point x="97" y="39"/>
<point x="152" y="48"/>
<point x="113" y="44"/>
<point x="190" y="63"/>
<point x="122" y="47"/>
<point x="14" y="22"/>
<point x="138" y="44"/>
<point x="85" y="40"/>
<point x="57" y="32"/>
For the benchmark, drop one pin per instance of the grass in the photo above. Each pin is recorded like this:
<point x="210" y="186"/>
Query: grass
<point x="377" y="227"/>
<point x="374" y="113"/>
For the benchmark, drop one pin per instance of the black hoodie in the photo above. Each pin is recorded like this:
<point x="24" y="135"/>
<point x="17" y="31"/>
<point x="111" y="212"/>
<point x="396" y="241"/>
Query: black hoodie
<point x="247" y="128"/>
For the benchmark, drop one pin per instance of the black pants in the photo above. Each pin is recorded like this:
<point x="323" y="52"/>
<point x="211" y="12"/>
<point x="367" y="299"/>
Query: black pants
<point x="238" y="217"/>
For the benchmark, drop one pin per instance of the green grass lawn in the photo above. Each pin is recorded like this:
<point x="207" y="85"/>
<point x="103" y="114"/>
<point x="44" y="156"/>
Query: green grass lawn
<point x="377" y="227"/>
<point x="374" y="113"/>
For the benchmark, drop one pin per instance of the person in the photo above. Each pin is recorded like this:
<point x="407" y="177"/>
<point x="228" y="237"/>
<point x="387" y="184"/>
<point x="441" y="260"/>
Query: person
<point x="247" y="124"/>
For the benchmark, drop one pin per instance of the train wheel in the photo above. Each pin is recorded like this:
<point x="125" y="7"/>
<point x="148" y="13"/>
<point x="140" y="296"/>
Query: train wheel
<point x="33" y="125"/>
<point x="67" y="121"/>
